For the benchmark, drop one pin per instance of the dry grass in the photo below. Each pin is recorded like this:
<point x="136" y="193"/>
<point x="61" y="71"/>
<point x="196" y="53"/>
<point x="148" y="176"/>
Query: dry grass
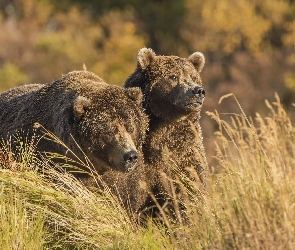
<point x="249" y="203"/>
<point x="59" y="210"/>
<point x="72" y="215"/>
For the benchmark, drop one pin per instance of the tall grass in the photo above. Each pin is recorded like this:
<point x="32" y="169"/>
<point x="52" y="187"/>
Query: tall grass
<point x="19" y="229"/>
<point x="43" y="206"/>
<point x="249" y="202"/>
<point x="256" y="187"/>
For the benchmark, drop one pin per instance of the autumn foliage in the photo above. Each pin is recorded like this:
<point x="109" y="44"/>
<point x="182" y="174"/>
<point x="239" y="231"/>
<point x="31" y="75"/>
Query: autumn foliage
<point x="249" y="46"/>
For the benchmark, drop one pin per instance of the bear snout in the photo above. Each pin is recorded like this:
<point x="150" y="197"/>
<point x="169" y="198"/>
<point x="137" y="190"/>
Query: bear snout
<point x="199" y="91"/>
<point x="130" y="159"/>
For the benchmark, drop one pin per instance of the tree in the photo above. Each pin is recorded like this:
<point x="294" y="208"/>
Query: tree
<point x="44" y="42"/>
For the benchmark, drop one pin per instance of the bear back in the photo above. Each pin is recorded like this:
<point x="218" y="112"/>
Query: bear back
<point x="106" y="122"/>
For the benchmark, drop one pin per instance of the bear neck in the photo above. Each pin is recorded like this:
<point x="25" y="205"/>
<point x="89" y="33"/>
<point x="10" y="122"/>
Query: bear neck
<point x="157" y="123"/>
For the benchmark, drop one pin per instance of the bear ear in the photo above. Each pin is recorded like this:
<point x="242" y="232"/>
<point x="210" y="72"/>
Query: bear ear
<point x="198" y="60"/>
<point x="135" y="94"/>
<point x="80" y="105"/>
<point x="145" y="57"/>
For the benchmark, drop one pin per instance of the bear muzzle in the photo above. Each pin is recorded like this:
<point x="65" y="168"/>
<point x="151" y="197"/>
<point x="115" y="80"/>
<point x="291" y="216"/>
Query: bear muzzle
<point x="199" y="92"/>
<point x="124" y="161"/>
<point x="130" y="159"/>
<point x="197" y="98"/>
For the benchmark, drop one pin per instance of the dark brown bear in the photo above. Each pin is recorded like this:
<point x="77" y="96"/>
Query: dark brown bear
<point x="18" y="91"/>
<point x="173" y="97"/>
<point x="130" y="188"/>
<point x="107" y="122"/>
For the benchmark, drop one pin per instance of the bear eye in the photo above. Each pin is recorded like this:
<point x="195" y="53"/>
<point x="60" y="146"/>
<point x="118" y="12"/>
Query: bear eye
<point x="174" y="78"/>
<point x="194" y="78"/>
<point x="130" y="130"/>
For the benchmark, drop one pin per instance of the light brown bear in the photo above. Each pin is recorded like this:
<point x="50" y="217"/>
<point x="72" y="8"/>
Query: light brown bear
<point x="107" y="122"/>
<point x="173" y="97"/>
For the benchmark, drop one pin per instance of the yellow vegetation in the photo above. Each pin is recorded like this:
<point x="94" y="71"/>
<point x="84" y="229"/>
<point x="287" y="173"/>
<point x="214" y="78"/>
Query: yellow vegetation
<point x="249" y="202"/>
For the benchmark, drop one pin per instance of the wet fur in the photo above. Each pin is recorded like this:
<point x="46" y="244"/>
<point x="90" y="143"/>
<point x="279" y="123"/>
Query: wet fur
<point x="78" y="104"/>
<point x="175" y="136"/>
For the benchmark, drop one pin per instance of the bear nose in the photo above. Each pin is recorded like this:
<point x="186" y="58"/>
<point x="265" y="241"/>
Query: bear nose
<point x="199" y="91"/>
<point x="130" y="157"/>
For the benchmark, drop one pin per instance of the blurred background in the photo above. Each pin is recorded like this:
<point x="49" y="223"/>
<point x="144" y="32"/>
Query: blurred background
<point x="249" y="45"/>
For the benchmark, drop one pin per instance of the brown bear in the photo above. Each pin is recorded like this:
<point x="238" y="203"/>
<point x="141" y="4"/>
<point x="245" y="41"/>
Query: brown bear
<point x="173" y="97"/>
<point x="107" y="122"/>
<point x="130" y="188"/>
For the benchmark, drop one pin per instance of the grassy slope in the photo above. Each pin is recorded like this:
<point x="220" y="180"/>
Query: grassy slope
<point x="249" y="204"/>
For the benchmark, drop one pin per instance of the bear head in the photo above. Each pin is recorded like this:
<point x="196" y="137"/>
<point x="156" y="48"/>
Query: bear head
<point x="171" y="85"/>
<point x="110" y="125"/>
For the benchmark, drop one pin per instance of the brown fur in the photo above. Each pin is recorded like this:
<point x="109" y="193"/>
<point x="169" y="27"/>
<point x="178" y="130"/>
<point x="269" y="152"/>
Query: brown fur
<point x="106" y="121"/>
<point x="169" y="84"/>
<point x="131" y="188"/>
<point x="21" y="90"/>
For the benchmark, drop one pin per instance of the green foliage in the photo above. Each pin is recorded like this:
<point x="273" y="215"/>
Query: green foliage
<point x="116" y="57"/>
<point x="46" y="42"/>
<point x="232" y="29"/>
<point x="11" y="76"/>
<point x="290" y="81"/>
<point x="248" y="45"/>
<point x="70" y="42"/>
<point x="19" y="229"/>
